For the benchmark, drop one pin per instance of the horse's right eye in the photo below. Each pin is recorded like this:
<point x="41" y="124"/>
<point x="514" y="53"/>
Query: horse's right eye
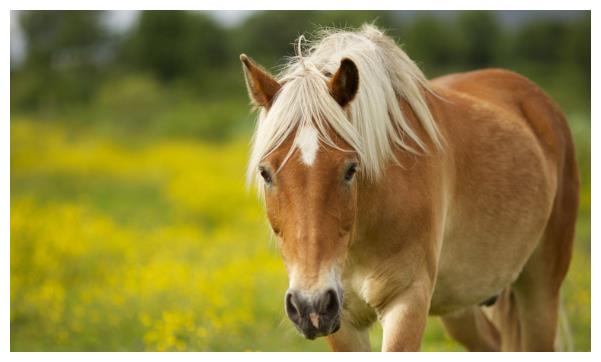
<point x="266" y="175"/>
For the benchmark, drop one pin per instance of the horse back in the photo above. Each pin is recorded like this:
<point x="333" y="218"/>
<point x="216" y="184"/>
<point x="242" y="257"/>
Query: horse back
<point x="517" y="94"/>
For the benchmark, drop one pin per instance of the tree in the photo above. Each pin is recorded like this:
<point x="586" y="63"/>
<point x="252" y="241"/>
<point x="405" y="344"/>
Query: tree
<point x="432" y="42"/>
<point x="540" y="41"/>
<point x="578" y="49"/>
<point x="64" y="50"/>
<point x="480" y="34"/>
<point x="175" y="44"/>
<point x="58" y="39"/>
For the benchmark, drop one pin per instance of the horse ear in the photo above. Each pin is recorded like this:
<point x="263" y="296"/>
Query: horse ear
<point x="345" y="83"/>
<point x="260" y="84"/>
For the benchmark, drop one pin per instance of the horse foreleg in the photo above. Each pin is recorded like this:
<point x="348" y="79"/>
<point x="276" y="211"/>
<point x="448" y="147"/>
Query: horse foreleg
<point x="349" y="339"/>
<point x="404" y="321"/>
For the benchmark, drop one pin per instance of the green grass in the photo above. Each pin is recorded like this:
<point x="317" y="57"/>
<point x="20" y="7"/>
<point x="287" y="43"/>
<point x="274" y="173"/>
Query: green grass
<point x="127" y="241"/>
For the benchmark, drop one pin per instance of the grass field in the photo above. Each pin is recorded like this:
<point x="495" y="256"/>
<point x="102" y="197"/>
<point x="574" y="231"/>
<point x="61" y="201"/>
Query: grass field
<point x="157" y="245"/>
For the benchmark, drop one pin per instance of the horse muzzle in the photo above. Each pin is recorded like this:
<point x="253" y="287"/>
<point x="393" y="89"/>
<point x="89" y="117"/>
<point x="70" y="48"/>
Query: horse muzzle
<point x="314" y="316"/>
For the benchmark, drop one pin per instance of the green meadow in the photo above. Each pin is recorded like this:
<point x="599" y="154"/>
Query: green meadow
<point x="159" y="246"/>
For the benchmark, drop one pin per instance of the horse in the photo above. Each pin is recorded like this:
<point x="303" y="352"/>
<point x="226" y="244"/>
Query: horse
<point x="393" y="197"/>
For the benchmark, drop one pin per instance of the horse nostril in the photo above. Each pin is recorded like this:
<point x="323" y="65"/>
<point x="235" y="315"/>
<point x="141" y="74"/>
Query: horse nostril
<point x="291" y="307"/>
<point x="328" y="303"/>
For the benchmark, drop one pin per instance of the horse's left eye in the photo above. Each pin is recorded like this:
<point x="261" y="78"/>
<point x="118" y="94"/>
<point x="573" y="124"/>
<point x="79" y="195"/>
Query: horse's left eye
<point x="350" y="172"/>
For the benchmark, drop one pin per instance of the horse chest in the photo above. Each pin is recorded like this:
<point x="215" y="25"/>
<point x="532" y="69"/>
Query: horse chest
<point x="372" y="284"/>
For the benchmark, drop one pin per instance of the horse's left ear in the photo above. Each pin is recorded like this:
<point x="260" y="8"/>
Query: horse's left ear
<point x="345" y="83"/>
<point x="260" y="84"/>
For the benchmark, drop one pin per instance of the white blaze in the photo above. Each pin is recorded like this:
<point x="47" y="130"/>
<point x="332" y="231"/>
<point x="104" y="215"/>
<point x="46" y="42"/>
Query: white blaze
<point x="308" y="143"/>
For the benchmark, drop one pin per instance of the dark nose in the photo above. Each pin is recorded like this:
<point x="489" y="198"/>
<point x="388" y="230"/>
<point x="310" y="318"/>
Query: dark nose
<point x="314" y="316"/>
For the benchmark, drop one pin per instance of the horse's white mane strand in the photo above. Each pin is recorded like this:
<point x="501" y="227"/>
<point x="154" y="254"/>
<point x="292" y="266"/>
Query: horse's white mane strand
<point x="370" y="124"/>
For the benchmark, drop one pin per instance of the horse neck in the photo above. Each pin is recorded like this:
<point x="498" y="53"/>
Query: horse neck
<point x="375" y="197"/>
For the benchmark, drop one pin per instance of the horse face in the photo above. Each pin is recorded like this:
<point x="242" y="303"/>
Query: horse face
<point x="311" y="200"/>
<point x="311" y="205"/>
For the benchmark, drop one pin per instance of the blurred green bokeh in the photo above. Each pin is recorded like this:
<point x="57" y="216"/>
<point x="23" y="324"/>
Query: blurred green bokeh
<point x="131" y="228"/>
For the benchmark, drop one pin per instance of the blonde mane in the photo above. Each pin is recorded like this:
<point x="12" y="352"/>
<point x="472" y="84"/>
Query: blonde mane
<point x="372" y="124"/>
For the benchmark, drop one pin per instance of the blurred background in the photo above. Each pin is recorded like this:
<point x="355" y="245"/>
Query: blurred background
<point x="131" y="226"/>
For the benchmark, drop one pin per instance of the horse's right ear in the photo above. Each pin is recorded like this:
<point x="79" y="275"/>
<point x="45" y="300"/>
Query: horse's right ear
<point x="260" y="84"/>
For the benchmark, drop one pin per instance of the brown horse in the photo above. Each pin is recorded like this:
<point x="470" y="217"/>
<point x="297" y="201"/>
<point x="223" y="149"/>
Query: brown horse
<point x="393" y="197"/>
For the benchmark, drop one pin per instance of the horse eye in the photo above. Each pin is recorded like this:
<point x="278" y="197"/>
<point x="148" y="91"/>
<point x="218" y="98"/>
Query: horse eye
<point x="265" y="174"/>
<point x="350" y="172"/>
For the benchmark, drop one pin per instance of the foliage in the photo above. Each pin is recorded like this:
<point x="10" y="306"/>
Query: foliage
<point x="430" y="42"/>
<point x="480" y="35"/>
<point x="63" y="38"/>
<point x="72" y="54"/>
<point x="175" y="44"/>
<point x="65" y="52"/>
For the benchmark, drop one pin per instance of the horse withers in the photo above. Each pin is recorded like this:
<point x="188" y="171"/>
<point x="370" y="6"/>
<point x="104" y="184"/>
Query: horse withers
<point x="393" y="197"/>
